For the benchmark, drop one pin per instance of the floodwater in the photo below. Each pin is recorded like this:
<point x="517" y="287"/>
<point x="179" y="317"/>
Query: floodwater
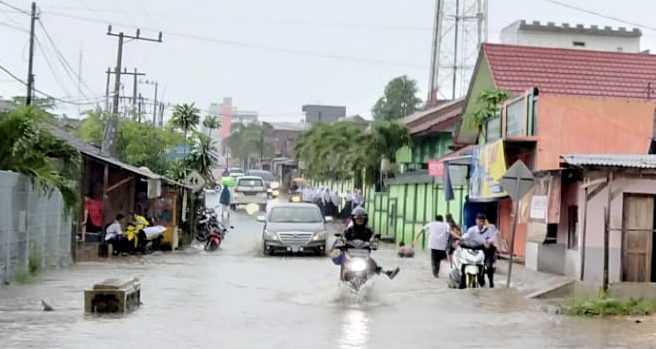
<point x="236" y="298"/>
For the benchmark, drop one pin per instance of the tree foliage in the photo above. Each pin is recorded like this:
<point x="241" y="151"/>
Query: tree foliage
<point x="138" y="144"/>
<point x="211" y="123"/>
<point x="399" y="99"/>
<point x="487" y="106"/>
<point x="27" y="146"/>
<point x="245" y="142"/>
<point x="338" y="150"/>
<point x="186" y="117"/>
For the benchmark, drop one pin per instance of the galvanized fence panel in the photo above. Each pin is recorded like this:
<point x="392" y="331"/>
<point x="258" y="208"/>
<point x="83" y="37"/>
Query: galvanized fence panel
<point x="34" y="233"/>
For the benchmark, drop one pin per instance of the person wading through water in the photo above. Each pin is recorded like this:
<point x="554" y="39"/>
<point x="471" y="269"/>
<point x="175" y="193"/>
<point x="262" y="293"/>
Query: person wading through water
<point x="456" y="233"/>
<point x="485" y="234"/>
<point x="438" y="237"/>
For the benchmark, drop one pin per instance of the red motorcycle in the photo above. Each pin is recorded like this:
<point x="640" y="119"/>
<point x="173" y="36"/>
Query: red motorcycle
<point x="216" y="234"/>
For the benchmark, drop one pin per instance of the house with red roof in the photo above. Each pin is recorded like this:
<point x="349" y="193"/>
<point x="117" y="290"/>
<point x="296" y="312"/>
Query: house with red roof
<point x="564" y="101"/>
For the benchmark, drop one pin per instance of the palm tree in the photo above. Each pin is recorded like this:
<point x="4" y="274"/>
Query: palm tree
<point x="245" y="141"/>
<point x="27" y="146"/>
<point x="186" y="117"/>
<point x="211" y="123"/>
<point x="203" y="156"/>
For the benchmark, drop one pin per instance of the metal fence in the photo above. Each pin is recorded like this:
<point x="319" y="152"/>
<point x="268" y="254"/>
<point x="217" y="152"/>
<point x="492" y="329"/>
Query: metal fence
<point x="34" y="233"/>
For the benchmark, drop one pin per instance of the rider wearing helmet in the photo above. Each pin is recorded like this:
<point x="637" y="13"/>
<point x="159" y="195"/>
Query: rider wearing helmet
<point x="360" y="231"/>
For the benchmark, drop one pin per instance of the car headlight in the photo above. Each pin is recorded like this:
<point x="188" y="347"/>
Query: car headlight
<point x="275" y="193"/>
<point x="357" y="265"/>
<point x="269" y="235"/>
<point x="319" y="236"/>
<point x="274" y="185"/>
<point x="296" y="199"/>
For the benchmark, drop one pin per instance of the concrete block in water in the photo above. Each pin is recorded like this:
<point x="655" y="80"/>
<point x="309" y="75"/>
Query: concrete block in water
<point x="113" y="296"/>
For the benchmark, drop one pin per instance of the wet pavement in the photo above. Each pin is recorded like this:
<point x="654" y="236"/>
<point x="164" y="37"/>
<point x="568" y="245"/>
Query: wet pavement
<point x="236" y="298"/>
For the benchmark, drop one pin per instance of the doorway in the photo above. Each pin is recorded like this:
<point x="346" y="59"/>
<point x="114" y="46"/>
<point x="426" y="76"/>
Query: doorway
<point x="638" y="238"/>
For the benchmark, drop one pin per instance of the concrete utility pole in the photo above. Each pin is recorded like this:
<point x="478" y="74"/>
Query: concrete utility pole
<point x="30" y="63"/>
<point x="110" y="128"/>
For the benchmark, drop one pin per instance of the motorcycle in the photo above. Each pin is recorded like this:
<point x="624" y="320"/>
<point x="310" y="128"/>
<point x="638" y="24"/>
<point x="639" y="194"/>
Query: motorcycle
<point x="296" y="198"/>
<point x="356" y="268"/>
<point x="216" y="233"/>
<point x="468" y="265"/>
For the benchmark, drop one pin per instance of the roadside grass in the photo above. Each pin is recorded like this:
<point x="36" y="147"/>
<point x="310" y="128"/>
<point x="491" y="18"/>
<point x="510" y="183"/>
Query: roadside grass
<point x="33" y="268"/>
<point x="600" y="307"/>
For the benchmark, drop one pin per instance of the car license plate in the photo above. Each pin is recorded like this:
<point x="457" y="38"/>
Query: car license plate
<point x="295" y="248"/>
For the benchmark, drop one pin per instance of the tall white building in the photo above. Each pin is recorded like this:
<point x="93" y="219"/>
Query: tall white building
<point x="571" y="36"/>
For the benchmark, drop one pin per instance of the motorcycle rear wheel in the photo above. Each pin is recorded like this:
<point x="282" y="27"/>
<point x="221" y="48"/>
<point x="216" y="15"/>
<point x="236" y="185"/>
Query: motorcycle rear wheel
<point x="211" y="247"/>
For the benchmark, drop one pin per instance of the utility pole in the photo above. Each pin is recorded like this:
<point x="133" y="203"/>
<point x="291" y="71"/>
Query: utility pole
<point x="108" y="72"/>
<point x="135" y="74"/>
<point x="141" y="101"/>
<point x="155" y="107"/>
<point x="110" y="128"/>
<point x="30" y="63"/>
<point x="161" y="115"/>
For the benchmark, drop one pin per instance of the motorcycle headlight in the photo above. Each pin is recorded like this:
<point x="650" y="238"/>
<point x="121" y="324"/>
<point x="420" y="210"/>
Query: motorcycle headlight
<point x="319" y="236"/>
<point x="274" y="185"/>
<point x="358" y="265"/>
<point x="296" y="199"/>
<point x="269" y="235"/>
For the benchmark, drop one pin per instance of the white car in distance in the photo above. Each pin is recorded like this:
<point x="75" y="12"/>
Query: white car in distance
<point x="249" y="190"/>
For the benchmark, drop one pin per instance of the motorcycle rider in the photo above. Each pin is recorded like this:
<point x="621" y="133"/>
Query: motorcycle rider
<point x="484" y="234"/>
<point x="360" y="231"/>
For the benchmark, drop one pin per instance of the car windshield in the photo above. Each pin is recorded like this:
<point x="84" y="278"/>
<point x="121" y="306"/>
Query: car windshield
<point x="249" y="182"/>
<point x="267" y="176"/>
<point x="295" y="215"/>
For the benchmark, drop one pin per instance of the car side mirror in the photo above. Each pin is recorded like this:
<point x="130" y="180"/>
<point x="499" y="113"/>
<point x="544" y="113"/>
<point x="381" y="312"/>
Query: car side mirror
<point x="261" y="219"/>
<point x="328" y="219"/>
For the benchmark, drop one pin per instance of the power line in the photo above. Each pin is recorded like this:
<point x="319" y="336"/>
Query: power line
<point x="261" y="47"/>
<point x="52" y="68"/>
<point x="15" y="8"/>
<point x="72" y="74"/>
<point x="12" y="75"/>
<point x="601" y="15"/>
<point x="258" y="20"/>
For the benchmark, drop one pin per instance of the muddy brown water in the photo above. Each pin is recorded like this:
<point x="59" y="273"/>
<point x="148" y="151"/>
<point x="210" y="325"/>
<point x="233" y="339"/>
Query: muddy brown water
<point x="236" y="298"/>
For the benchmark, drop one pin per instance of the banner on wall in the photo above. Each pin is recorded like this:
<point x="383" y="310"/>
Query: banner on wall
<point x="540" y="207"/>
<point x="487" y="167"/>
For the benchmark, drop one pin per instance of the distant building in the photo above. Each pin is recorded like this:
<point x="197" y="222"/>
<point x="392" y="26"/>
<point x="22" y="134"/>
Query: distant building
<point x="323" y="113"/>
<point x="5" y="105"/>
<point x="229" y="115"/>
<point x="357" y="120"/>
<point x="571" y="36"/>
<point x="282" y="136"/>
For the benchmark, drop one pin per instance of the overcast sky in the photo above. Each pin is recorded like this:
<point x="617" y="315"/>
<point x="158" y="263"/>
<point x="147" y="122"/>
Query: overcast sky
<point x="269" y="55"/>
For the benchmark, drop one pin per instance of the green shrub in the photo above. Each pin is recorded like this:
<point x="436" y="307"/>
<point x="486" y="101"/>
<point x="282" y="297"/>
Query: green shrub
<point x="595" y="307"/>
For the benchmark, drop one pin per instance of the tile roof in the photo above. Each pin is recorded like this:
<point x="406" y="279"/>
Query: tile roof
<point x="571" y="72"/>
<point x="641" y="161"/>
<point x="434" y="119"/>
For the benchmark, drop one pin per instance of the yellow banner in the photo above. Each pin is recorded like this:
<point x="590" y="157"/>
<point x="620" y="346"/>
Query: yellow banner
<point x="487" y="168"/>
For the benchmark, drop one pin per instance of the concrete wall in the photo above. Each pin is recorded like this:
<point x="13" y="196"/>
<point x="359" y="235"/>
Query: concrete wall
<point x="32" y="227"/>
<point x="515" y="36"/>
<point x="595" y="227"/>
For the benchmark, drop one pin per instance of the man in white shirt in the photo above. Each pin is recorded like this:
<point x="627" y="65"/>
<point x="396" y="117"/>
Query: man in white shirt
<point x="438" y="239"/>
<point x="485" y="234"/>
<point x="114" y="234"/>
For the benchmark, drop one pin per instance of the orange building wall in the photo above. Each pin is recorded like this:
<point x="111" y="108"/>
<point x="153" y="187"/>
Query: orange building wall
<point x="574" y="125"/>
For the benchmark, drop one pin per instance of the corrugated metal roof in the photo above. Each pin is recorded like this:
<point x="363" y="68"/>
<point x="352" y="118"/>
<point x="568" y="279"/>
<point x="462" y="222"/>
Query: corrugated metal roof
<point x="642" y="161"/>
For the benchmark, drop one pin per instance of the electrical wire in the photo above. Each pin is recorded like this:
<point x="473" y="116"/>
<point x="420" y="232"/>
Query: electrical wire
<point x="51" y="66"/>
<point x="261" y="47"/>
<point x="12" y="75"/>
<point x="15" y="8"/>
<point x="601" y="15"/>
<point x="72" y="74"/>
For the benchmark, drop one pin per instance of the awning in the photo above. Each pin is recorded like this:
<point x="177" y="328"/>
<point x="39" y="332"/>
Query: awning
<point x="460" y="157"/>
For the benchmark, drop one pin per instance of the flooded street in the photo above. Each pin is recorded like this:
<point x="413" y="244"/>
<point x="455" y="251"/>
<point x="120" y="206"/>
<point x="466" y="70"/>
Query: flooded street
<point x="236" y="298"/>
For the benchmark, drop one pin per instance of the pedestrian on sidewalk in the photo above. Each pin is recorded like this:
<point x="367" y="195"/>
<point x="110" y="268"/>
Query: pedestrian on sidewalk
<point x="438" y="238"/>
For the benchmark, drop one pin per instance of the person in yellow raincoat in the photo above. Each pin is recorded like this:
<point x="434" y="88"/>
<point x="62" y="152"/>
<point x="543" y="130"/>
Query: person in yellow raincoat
<point x="138" y="222"/>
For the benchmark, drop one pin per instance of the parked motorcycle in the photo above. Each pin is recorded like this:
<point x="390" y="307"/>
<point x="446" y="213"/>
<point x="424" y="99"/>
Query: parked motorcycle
<point x="357" y="267"/>
<point x="468" y="265"/>
<point x="216" y="234"/>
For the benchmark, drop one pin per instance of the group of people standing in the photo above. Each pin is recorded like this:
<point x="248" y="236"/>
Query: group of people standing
<point x="330" y="200"/>
<point x="444" y="235"/>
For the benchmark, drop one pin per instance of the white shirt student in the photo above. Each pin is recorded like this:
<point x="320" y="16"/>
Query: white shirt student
<point x="114" y="230"/>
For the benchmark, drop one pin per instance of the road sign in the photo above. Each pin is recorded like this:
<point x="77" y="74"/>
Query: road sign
<point x="195" y="181"/>
<point x="435" y="168"/>
<point x="517" y="181"/>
